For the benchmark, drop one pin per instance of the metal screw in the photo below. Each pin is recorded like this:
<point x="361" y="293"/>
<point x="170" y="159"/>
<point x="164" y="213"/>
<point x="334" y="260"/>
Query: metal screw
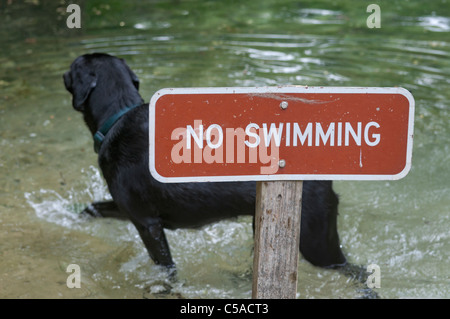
<point x="281" y="163"/>
<point x="284" y="105"/>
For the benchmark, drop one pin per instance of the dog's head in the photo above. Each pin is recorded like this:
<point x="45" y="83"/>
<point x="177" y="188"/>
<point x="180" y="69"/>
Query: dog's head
<point x="89" y="71"/>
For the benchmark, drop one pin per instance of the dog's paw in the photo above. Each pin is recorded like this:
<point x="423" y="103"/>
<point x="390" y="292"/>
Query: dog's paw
<point x="160" y="290"/>
<point x="91" y="211"/>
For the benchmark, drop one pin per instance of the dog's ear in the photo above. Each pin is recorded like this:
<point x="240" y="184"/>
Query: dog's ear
<point x="82" y="90"/>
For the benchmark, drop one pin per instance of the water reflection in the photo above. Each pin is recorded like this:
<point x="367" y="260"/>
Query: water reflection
<point x="431" y="23"/>
<point x="319" y="16"/>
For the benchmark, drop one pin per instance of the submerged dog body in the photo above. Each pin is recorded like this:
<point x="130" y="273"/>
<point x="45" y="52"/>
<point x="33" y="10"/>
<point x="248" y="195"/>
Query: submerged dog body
<point x="102" y="86"/>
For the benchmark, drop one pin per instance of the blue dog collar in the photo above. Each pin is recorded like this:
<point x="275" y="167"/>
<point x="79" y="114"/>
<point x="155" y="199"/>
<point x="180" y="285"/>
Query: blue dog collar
<point x="99" y="136"/>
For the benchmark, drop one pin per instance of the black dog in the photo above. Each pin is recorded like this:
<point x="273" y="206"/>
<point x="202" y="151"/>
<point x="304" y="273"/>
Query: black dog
<point x="105" y="90"/>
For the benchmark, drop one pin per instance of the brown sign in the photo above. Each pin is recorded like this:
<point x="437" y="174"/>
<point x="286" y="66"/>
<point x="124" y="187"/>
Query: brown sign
<point x="280" y="133"/>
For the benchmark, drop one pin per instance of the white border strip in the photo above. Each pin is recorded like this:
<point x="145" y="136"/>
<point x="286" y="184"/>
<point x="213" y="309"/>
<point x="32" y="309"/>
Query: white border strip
<point x="279" y="89"/>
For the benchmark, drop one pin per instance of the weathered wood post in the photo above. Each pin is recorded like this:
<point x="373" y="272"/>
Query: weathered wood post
<point x="277" y="239"/>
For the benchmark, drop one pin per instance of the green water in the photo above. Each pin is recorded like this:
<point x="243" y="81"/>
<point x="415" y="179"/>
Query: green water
<point x="48" y="168"/>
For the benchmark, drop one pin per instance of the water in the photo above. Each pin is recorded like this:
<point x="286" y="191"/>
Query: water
<point x="48" y="168"/>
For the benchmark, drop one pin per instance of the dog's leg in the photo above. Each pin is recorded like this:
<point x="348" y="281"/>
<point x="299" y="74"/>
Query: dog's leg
<point x="321" y="245"/>
<point x="154" y="238"/>
<point x="319" y="239"/>
<point x="105" y="209"/>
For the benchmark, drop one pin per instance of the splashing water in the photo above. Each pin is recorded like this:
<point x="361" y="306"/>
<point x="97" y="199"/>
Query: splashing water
<point x="64" y="209"/>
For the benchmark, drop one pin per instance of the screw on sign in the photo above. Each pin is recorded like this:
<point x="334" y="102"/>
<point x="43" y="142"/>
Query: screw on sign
<point x="280" y="136"/>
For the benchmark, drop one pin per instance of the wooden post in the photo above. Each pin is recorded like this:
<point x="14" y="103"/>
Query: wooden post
<point x="277" y="239"/>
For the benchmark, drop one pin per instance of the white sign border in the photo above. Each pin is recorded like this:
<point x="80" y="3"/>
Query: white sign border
<point x="280" y="90"/>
